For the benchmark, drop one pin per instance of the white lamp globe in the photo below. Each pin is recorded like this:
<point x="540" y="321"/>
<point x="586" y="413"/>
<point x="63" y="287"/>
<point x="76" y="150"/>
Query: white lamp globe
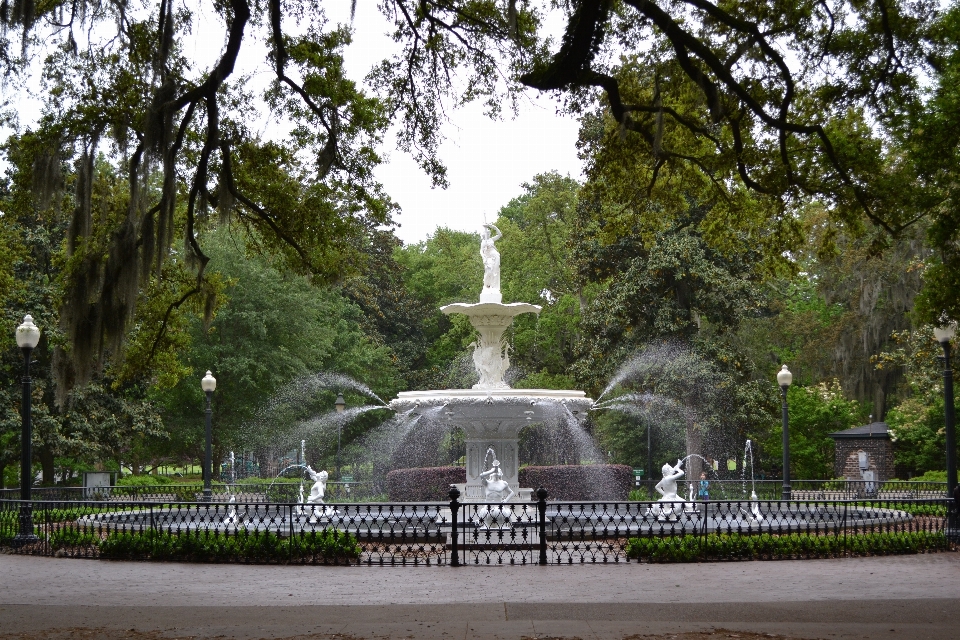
<point x="784" y="377"/>
<point x="943" y="334"/>
<point x="208" y="383"/>
<point x="28" y="334"/>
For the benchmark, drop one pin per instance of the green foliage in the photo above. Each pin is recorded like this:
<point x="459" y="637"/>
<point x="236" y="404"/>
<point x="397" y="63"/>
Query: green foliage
<point x="815" y="412"/>
<point x="329" y="546"/>
<point x="273" y="327"/>
<point x="73" y="537"/>
<point x="734" y="546"/>
<point x="147" y="481"/>
<point x="931" y="476"/>
<point x="917" y="422"/>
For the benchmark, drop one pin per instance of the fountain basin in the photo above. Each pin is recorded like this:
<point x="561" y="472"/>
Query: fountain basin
<point x="491" y="420"/>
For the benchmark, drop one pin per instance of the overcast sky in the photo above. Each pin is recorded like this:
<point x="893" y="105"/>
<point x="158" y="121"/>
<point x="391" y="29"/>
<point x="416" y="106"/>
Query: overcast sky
<point x="486" y="160"/>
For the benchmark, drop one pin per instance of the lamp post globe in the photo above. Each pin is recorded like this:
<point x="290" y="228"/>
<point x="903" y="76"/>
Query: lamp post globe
<point x="784" y="380"/>
<point x="28" y="336"/>
<point x="945" y="335"/>
<point x="341" y="406"/>
<point x="209" y="385"/>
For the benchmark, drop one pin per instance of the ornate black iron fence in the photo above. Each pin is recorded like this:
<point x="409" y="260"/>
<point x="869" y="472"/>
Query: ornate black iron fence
<point x="742" y="489"/>
<point x="241" y="492"/>
<point x="467" y="533"/>
<point x="282" y="491"/>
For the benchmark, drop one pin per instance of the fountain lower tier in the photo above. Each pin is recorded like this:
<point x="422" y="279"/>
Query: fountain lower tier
<point x="492" y="419"/>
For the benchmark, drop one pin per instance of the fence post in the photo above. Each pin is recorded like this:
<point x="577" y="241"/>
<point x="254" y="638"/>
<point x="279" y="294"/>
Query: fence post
<point x="455" y="533"/>
<point x="845" y="549"/>
<point x="154" y="534"/>
<point x="542" y="524"/>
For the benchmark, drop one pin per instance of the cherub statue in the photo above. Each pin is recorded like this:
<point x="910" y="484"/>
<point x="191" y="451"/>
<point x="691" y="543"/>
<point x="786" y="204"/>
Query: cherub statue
<point x="319" y="487"/>
<point x="495" y="489"/>
<point x="667" y="488"/>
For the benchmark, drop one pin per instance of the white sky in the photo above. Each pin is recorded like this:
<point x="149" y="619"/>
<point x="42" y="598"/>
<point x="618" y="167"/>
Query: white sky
<point x="486" y="160"/>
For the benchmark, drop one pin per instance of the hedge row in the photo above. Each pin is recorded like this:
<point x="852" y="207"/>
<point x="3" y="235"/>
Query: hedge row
<point x="423" y="484"/>
<point x="593" y="482"/>
<point x="736" y="546"/>
<point x="329" y="546"/>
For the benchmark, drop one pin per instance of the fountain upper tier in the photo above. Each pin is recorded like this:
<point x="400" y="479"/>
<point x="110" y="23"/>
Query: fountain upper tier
<point x="503" y="411"/>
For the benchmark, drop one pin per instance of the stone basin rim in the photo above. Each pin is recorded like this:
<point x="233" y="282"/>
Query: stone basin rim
<point x="491" y="308"/>
<point x="493" y="394"/>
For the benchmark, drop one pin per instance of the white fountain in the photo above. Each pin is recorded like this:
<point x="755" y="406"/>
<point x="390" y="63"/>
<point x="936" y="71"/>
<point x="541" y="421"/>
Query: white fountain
<point x="491" y="414"/>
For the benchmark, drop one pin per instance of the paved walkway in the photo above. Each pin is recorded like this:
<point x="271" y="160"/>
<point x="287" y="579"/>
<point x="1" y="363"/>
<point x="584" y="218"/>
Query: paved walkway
<point x="884" y="597"/>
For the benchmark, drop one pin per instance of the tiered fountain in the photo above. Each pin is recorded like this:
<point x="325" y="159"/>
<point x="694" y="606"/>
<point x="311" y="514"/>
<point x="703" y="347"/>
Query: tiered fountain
<point x="491" y="414"/>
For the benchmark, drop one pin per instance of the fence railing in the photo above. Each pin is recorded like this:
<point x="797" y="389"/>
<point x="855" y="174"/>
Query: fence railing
<point x="818" y="489"/>
<point x="240" y="492"/>
<point x="469" y="533"/>
<point x="723" y="490"/>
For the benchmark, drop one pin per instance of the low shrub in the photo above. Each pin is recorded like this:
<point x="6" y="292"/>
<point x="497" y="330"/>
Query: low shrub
<point x="147" y="481"/>
<point x="931" y="476"/>
<point x="580" y="482"/>
<point x="73" y="537"/>
<point x="423" y="484"/>
<point x="735" y="546"/>
<point x="913" y="508"/>
<point x="212" y="546"/>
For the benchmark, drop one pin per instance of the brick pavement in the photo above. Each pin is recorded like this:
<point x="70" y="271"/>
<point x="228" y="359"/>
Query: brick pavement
<point x="883" y="597"/>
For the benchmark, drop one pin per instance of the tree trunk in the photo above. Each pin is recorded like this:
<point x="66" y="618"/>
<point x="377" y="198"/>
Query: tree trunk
<point x="46" y="464"/>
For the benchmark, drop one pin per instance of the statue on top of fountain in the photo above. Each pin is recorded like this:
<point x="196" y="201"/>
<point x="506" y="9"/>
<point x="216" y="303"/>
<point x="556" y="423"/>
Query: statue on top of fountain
<point x="490" y="317"/>
<point x="667" y="488"/>
<point x="491" y="264"/>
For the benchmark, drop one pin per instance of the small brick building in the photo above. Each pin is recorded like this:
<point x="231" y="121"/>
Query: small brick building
<point x="874" y="440"/>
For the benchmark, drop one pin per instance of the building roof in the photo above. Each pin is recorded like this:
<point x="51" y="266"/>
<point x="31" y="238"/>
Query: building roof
<point x="867" y="431"/>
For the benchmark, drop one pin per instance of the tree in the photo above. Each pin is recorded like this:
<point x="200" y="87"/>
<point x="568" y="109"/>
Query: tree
<point x="932" y="144"/>
<point x="815" y="412"/>
<point x="916" y="421"/>
<point x="539" y="267"/>
<point x="182" y="142"/>
<point x="798" y="101"/>
<point x="781" y="93"/>
<point x="444" y="268"/>
<point x="272" y="328"/>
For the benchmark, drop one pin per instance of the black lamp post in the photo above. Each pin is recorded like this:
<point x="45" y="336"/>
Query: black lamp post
<point x="209" y="385"/>
<point x="341" y="406"/>
<point x="784" y="378"/>
<point x="28" y="335"/>
<point x="944" y="335"/>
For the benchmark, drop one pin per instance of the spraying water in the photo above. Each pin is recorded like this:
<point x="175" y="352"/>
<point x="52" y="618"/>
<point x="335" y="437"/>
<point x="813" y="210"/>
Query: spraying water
<point x="748" y="451"/>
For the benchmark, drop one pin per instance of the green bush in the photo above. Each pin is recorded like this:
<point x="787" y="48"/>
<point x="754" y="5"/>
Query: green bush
<point x="913" y="508"/>
<point x="212" y="546"/>
<point x="147" y="481"/>
<point x="931" y="476"/>
<point x="73" y="537"/>
<point x="736" y="546"/>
